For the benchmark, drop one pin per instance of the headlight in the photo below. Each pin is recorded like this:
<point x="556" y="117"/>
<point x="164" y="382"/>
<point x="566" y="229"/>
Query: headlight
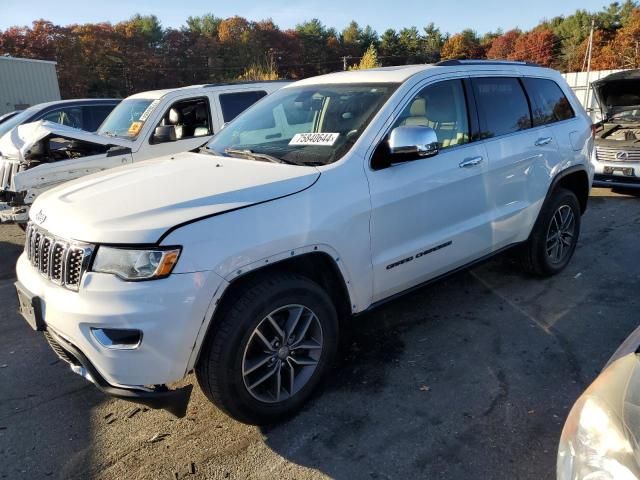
<point x="136" y="264"/>
<point x="593" y="445"/>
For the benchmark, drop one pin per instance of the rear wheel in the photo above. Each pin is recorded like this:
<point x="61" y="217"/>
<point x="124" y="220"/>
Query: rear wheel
<point x="269" y="349"/>
<point x="555" y="235"/>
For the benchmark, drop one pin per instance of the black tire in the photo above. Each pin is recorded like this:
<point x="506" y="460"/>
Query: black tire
<point x="220" y="367"/>
<point x="536" y="258"/>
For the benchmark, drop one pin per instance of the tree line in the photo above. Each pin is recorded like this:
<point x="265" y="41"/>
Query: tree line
<point x="104" y="59"/>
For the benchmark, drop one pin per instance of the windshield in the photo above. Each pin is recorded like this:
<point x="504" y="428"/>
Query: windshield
<point x="17" y="120"/>
<point x="311" y="125"/>
<point x="127" y="119"/>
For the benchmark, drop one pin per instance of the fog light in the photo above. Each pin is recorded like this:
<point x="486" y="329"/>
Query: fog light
<point x="117" y="338"/>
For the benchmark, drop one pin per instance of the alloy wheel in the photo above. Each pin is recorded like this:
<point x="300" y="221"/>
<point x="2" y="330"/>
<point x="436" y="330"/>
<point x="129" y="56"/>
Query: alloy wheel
<point x="282" y="353"/>
<point x="561" y="234"/>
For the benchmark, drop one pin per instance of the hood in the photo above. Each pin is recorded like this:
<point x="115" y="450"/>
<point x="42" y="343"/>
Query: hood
<point x="137" y="203"/>
<point x="17" y="142"/>
<point x="618" y="92"/>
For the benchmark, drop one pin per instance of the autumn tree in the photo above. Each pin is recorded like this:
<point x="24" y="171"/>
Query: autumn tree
<point x="463" y="45"/>
<point x="503" y="46"/>
<point x="536" y="46"/>
<point x="368" y="60"/>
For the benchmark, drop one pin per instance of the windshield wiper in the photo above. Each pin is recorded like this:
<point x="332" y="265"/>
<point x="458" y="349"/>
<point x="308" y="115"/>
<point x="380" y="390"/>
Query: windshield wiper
<point x="208" y="151"/>
<point x="257" y="156"/>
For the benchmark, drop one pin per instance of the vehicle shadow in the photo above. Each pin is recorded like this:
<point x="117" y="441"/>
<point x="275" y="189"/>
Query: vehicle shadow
<point x="10" y="253"/>
<point x="44" y="410"/>
<point x="472" y="377"/>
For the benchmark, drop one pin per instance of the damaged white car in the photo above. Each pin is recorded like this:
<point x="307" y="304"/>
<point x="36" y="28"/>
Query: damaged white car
<point x="37" y="156"/>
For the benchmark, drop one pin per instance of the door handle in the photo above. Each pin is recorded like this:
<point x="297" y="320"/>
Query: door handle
<point x="543" y="141"/>
<point x="470" y="162"/>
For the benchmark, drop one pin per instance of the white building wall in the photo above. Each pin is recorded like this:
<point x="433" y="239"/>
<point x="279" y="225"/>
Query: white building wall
<point x="25" y="82"/>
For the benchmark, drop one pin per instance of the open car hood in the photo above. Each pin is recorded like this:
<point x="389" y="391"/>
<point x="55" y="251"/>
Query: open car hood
<point x="138" y="203"/>
<point x="618" y="92"/>
<point x="17" y="143"/>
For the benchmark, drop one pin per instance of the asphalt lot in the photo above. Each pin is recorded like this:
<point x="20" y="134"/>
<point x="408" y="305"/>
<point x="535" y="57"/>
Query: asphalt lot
<point x="471" y="377"/>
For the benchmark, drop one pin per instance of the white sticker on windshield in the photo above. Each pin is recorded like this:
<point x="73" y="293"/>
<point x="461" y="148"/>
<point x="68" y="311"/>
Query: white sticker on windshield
<point x="147" y="112"/>
<point x="314" y="139"/>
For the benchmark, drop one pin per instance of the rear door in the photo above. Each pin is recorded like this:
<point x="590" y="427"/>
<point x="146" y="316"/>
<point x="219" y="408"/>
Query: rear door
<point x="519" y="156"/>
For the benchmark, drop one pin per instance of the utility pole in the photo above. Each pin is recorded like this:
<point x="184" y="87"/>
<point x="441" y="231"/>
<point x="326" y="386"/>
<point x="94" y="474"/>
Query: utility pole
<point x="589" y="54"/>
<point x="344" y="63"/>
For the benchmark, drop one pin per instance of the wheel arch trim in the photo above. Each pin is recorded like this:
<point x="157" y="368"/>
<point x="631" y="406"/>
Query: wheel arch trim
<point x="270" y="262"/>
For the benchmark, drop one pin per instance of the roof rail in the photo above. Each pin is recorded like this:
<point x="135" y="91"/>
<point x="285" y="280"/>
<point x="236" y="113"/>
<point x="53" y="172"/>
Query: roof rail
<point x="246" y="82"/>
<point x="451" y="63"/>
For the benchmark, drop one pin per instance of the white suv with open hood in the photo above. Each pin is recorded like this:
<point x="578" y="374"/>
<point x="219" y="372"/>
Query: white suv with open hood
<point x="325" y="199"/>
<point x="617" y="142"/>
<point x="37" y="156"/>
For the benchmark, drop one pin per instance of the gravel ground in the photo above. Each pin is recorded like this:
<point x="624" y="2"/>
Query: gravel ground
<point x="470" y="377"/>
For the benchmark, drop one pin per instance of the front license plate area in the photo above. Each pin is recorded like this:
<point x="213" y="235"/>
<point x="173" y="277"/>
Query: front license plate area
<point x="30" y="308"/>
<point x="620" y="171"/>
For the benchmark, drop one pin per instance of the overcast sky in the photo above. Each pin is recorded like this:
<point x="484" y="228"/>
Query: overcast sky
<point x="450" y="16"/>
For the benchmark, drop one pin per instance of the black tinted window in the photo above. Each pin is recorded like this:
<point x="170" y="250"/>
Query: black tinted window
<point x="548" y="103"/>
<point x="69" y="116"/>
<point x="502" y="106"/>
<point x="94" y="115"/>
<point x="233" y="104"/>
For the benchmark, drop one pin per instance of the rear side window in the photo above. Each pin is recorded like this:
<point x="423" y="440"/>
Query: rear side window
<point x="94" y="115"/>
<point x="548" y="102"/>
<point x="233" y="104"/>
<point x="502" y="106"/>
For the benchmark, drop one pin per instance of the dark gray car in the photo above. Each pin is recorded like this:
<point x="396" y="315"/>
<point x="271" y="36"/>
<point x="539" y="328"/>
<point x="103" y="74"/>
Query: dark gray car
<point x="85" y="114"/>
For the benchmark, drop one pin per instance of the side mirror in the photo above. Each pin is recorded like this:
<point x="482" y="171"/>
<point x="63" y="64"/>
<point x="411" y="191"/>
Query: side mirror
<point x="413" y="140"/>
<point x="164" y="133"/>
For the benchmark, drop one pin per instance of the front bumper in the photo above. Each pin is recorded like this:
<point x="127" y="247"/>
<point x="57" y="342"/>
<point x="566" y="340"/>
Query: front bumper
<point x="171" y="313"/>
<point x="174" y="401"/>
<point x="605" y="178"/>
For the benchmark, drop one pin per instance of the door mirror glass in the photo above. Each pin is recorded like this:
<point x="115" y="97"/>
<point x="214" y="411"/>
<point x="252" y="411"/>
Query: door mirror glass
<point x="413" y="140"/>
<point x="164" y="133"/>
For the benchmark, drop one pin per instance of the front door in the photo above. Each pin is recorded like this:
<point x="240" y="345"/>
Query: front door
<point x="430" y="215"/>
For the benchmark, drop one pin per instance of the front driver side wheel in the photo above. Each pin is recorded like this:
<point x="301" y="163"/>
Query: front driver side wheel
<point x="269" y="348"/>
<point x="554" y="236"/>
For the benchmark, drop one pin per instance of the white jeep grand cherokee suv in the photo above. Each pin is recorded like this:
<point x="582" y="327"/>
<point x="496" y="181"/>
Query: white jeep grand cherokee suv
<point x="321" y="201"/>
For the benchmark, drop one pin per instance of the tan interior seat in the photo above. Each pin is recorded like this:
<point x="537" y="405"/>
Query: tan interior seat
<point x="417" y="113"/>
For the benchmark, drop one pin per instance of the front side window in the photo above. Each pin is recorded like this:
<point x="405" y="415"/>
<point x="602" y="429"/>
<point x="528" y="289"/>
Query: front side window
<point x="233" y="104"/>
<point x="69" y="116"/>
<point x="548" y="102"/>
<point x="128" y="118"/>
<point x="189" y="118"/>
<point x="502" y="106"/>
<point x="326" y="120"/>
<point x="442" y="107"/>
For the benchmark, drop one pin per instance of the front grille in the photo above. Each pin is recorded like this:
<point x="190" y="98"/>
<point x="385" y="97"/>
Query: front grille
<point x="60" y="261"/>
<point x="610" y="154"/>
<point x="8" y="168"/>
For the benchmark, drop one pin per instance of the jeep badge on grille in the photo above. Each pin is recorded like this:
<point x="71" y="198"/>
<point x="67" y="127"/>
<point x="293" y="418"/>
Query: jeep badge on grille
<point x="40" y="217"/>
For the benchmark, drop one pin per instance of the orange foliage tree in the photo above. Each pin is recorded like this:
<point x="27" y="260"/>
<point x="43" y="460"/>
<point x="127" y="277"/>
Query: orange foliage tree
<point x="504" y="45"/>
<point x="536" y="46"/>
